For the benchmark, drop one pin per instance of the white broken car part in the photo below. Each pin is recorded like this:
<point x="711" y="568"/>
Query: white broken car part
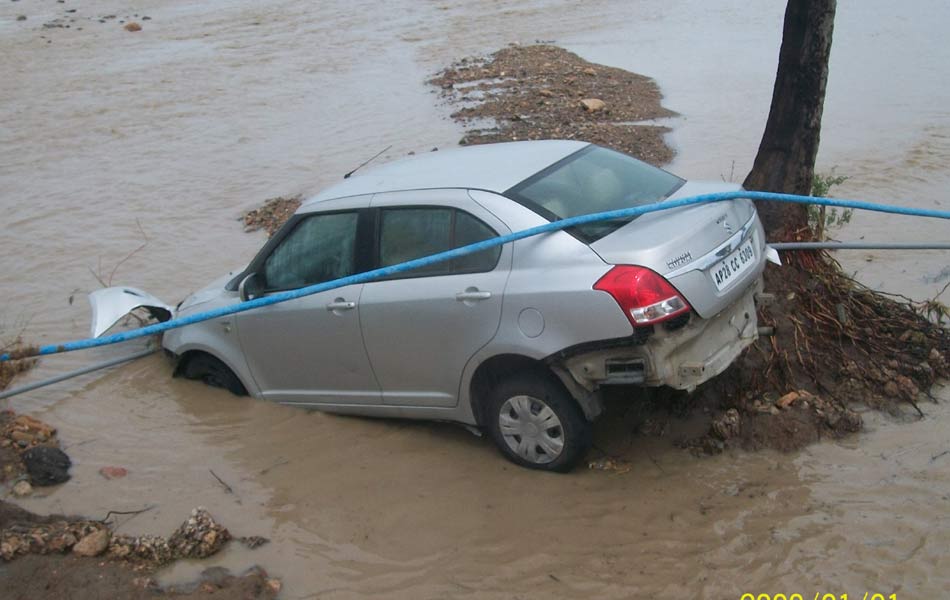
<point x="111" y="304"/>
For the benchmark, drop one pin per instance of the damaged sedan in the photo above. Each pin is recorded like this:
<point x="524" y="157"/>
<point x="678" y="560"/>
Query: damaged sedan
<point x="517" y="340"/>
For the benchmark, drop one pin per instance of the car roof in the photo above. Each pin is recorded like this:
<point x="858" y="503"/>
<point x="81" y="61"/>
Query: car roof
<point x="492" y="167"/>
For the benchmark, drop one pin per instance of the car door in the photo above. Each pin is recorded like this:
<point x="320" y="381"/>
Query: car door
<point x="309" y="350"/>
<point x="421" y="328"/>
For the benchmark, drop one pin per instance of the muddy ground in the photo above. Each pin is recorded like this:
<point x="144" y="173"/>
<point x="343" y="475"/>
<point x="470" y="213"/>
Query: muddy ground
<point x="545" y="92"/>
<point x="58" y="556"/>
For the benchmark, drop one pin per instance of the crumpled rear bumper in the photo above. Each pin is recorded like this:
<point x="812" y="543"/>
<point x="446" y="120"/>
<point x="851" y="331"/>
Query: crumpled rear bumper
<point x="682" y="358"/>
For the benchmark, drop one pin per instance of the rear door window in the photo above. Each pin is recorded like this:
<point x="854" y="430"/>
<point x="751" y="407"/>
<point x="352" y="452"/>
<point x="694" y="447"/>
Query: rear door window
<point x="409" y="233"/>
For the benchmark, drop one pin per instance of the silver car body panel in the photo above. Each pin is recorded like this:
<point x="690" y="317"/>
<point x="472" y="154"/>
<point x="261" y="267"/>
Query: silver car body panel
<point x="420" y="332"/>
<point x="495" y="167"/>
<point x="310" y="350"/>
<point x="410" y="347"/>
<point x="683" y="244"/>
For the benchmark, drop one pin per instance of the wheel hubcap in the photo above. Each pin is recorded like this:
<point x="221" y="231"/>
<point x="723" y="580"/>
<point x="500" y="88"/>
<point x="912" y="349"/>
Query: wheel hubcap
<point x="531" y="429"/>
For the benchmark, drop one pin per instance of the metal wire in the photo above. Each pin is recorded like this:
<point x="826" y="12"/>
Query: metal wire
<point x="856" y="246"/>
<point x="90" y="369"/>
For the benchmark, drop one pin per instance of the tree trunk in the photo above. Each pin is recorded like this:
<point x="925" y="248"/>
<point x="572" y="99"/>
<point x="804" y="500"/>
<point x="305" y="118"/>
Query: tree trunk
<point x="786" y="158"/>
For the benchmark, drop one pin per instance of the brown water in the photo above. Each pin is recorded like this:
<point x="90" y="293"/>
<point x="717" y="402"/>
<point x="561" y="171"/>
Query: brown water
<point x="215" y="106"/>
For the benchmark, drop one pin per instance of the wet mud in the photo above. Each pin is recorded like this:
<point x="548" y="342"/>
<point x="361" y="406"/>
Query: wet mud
<point x="271" y="215"/>
<point x="541" y="91"/>
<point x="190" y="122"/>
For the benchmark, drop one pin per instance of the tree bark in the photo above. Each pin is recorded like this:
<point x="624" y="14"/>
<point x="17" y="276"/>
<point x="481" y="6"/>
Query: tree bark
<point x="786" y="158"/>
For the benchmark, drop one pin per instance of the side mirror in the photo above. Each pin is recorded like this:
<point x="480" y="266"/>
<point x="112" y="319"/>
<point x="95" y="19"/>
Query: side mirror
<point x="248" y="288"/>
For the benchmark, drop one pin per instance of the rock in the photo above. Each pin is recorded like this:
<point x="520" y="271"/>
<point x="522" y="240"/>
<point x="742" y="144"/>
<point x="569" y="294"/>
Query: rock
<point x="590" y="71"/>
<point x="113" y="472"/>
<point x="133" y="26"/>
<point x="907" y="387"/>
<point x="844" y="421"/>
<point x="607" y="463"/>
<point x="593" y="104"/>
<point x="12" y="467"/>
<point x="28" y="423"/>
<point x="786" y="400"/>
<point x="216" y="576"/>
<point x="198" y="537"/>
<point x="253" y="541"/>
<point x="891" y="389"/>
<point x="21" y="18"/>
<point x="22" y="488"/>
<point x="546" y="93"/>
<point x="93" y="544"/>
<point x="9" y="548"/>
<point x="917" y="338"/>
<point x="936" y="358"/>
<point x="146" y="583"/>
<point x="46" y="465"/>
<point x="149" y="548"/>
<point x="274" y="585"/>
<point x="654" y="427"/>
<point x="22" y="436"/>
<point x="727" y="425"/>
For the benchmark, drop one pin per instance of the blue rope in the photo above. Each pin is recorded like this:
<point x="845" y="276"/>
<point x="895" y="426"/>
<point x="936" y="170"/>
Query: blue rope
<point x="126" y="336"/>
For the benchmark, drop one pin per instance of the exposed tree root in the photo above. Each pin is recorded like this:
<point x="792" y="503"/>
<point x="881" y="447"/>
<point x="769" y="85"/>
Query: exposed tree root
<point x="837" y="343"/>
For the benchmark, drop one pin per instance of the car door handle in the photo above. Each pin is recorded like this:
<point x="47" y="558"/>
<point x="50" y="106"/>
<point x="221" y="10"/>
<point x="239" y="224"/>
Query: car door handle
<point x="469" y="295"/>
<point x="341" y="304"/>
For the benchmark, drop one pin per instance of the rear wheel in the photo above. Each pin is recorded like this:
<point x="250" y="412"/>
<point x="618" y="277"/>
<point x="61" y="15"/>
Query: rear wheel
<point x="536" y="424"/>
<point x="213" y="372"/>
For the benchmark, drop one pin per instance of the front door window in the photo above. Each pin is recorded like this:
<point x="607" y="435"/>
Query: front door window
<point x="320" y="248"/>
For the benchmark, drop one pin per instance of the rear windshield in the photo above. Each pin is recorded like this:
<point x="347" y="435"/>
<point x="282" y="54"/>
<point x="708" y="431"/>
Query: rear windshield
<point x="594" y="180"/>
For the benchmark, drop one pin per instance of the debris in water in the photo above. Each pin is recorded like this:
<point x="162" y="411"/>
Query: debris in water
<point x="607" y="463"/>
<point x="113" y="472"/>
<point x="272" y="214"/>
<point x="545" y="92"/>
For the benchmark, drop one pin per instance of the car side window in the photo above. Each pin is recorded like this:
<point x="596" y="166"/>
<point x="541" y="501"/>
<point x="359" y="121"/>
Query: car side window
<point x="469" y="230"/>
<point x="410" y="233"/>
<point x="320" y="248"/>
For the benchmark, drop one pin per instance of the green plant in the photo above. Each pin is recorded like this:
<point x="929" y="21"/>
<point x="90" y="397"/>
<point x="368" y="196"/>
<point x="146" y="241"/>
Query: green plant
<point x="821" y="218"/>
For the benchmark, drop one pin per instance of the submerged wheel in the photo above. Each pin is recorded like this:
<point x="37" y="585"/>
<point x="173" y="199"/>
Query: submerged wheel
<point x="213" y="372"/>
<point x="536" y="424"/>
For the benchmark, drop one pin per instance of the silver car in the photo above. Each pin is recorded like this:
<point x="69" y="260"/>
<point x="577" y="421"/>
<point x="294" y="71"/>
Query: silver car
<point x="518" y="340"/>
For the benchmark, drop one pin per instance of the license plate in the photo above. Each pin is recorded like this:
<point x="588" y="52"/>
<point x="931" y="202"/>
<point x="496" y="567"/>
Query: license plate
<point x="729" y="269"/>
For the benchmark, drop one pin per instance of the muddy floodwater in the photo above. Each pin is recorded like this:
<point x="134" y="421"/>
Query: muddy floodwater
<point x="111" y="139"/>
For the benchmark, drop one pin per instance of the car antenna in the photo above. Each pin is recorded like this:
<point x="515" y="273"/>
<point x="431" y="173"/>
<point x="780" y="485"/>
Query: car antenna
<point x="363" y="164"/>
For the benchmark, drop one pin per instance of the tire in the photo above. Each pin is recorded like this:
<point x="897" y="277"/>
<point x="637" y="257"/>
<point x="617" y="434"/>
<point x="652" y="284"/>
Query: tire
<point x="213" y="372"/>
<point x="536" y="424"/>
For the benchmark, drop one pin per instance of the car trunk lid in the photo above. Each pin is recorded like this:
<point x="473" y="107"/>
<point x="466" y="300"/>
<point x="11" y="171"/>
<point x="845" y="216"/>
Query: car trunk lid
<point x="689" y="246"/>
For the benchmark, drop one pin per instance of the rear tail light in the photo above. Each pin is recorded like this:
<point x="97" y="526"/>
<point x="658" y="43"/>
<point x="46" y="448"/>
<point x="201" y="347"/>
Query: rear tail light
<point x="644" y="296"/>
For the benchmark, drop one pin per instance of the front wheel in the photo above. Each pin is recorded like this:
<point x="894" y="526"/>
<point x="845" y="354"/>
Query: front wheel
<point x="213" y="372"/>
<point x="536" y="424"/>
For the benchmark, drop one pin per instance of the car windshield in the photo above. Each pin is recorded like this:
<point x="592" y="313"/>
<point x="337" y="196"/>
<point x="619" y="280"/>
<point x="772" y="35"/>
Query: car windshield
<point x="594" y="180"/>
